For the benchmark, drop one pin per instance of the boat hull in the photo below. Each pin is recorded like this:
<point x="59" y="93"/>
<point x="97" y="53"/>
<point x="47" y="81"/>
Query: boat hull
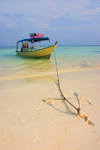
<point x="41" y="53"/>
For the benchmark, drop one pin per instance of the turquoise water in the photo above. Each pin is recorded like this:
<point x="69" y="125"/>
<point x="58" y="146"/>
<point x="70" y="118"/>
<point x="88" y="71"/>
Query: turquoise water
<point x="69" y="59"/>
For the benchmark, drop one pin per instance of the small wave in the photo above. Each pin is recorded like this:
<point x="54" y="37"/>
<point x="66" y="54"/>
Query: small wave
<point x="39" y="76"/>
<point x="98" y="51"/>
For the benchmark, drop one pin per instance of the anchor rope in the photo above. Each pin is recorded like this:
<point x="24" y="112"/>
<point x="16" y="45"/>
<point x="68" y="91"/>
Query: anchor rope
<point x="58" y="79"/>
<point x="58" y="76"/>
<point x="56" y="66"/>
<point x="78" y="109"/>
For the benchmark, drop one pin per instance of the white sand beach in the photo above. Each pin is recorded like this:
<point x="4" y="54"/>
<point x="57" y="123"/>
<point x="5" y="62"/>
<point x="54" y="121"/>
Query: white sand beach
<point x="29" y="122"/>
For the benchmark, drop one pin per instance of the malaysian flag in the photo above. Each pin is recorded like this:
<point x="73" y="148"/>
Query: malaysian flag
<point x="38" y="35"/>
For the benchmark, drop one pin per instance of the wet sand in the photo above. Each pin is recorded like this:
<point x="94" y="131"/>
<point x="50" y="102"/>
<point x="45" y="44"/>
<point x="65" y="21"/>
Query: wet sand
<point x="29" y="121"/>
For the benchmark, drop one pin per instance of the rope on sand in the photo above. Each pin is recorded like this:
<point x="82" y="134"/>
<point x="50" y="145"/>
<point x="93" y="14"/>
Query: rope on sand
<point x="62" y="95"/>
<point x="48" y="100"/>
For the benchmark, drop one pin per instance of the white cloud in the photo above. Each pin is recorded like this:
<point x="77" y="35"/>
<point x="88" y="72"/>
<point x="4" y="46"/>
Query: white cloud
<point x="90" y="12"/>
<point x="44" y="26"/>
<point x="41" y="12"/>
<point x="11" y="25"/>
<point x="65" y="17"/>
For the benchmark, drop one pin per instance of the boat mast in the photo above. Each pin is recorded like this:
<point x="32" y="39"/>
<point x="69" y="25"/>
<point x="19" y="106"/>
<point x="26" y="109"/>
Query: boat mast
<point x="50" y="42"/>
<point x="32" y="42"/>
<point x="40" y="44"/>
<point x="17" y="47"/>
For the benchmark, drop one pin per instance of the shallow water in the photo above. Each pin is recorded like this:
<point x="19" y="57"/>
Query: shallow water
<point x="69" y="58"/>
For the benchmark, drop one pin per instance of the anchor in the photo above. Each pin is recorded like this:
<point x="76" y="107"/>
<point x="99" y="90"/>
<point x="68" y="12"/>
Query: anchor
<point x="62" y="95"/>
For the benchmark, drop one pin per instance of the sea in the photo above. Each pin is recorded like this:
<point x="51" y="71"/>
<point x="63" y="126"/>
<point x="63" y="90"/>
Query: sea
<point x="68" y="58"/>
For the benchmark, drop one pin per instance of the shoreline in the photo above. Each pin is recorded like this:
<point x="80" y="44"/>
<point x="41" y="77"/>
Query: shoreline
<point x="44" y="76"/>
<point x="27" y="118"/>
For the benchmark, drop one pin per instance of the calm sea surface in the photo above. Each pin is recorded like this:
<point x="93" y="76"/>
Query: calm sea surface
<point x="69" y="59"/>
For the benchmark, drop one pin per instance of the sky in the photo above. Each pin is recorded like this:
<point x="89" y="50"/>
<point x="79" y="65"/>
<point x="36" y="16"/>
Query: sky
<point x="70" y="22"/>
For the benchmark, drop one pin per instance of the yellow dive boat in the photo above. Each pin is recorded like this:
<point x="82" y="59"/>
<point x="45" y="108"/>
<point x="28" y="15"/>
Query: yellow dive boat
<point x="32" y="51"/>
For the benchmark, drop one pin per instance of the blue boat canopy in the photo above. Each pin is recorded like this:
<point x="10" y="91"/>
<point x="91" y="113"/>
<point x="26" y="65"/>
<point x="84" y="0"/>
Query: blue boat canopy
<point x="34" y="39"/>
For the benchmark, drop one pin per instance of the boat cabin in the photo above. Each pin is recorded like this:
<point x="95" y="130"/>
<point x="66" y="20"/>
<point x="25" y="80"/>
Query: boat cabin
<point x="26" y="44"/>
